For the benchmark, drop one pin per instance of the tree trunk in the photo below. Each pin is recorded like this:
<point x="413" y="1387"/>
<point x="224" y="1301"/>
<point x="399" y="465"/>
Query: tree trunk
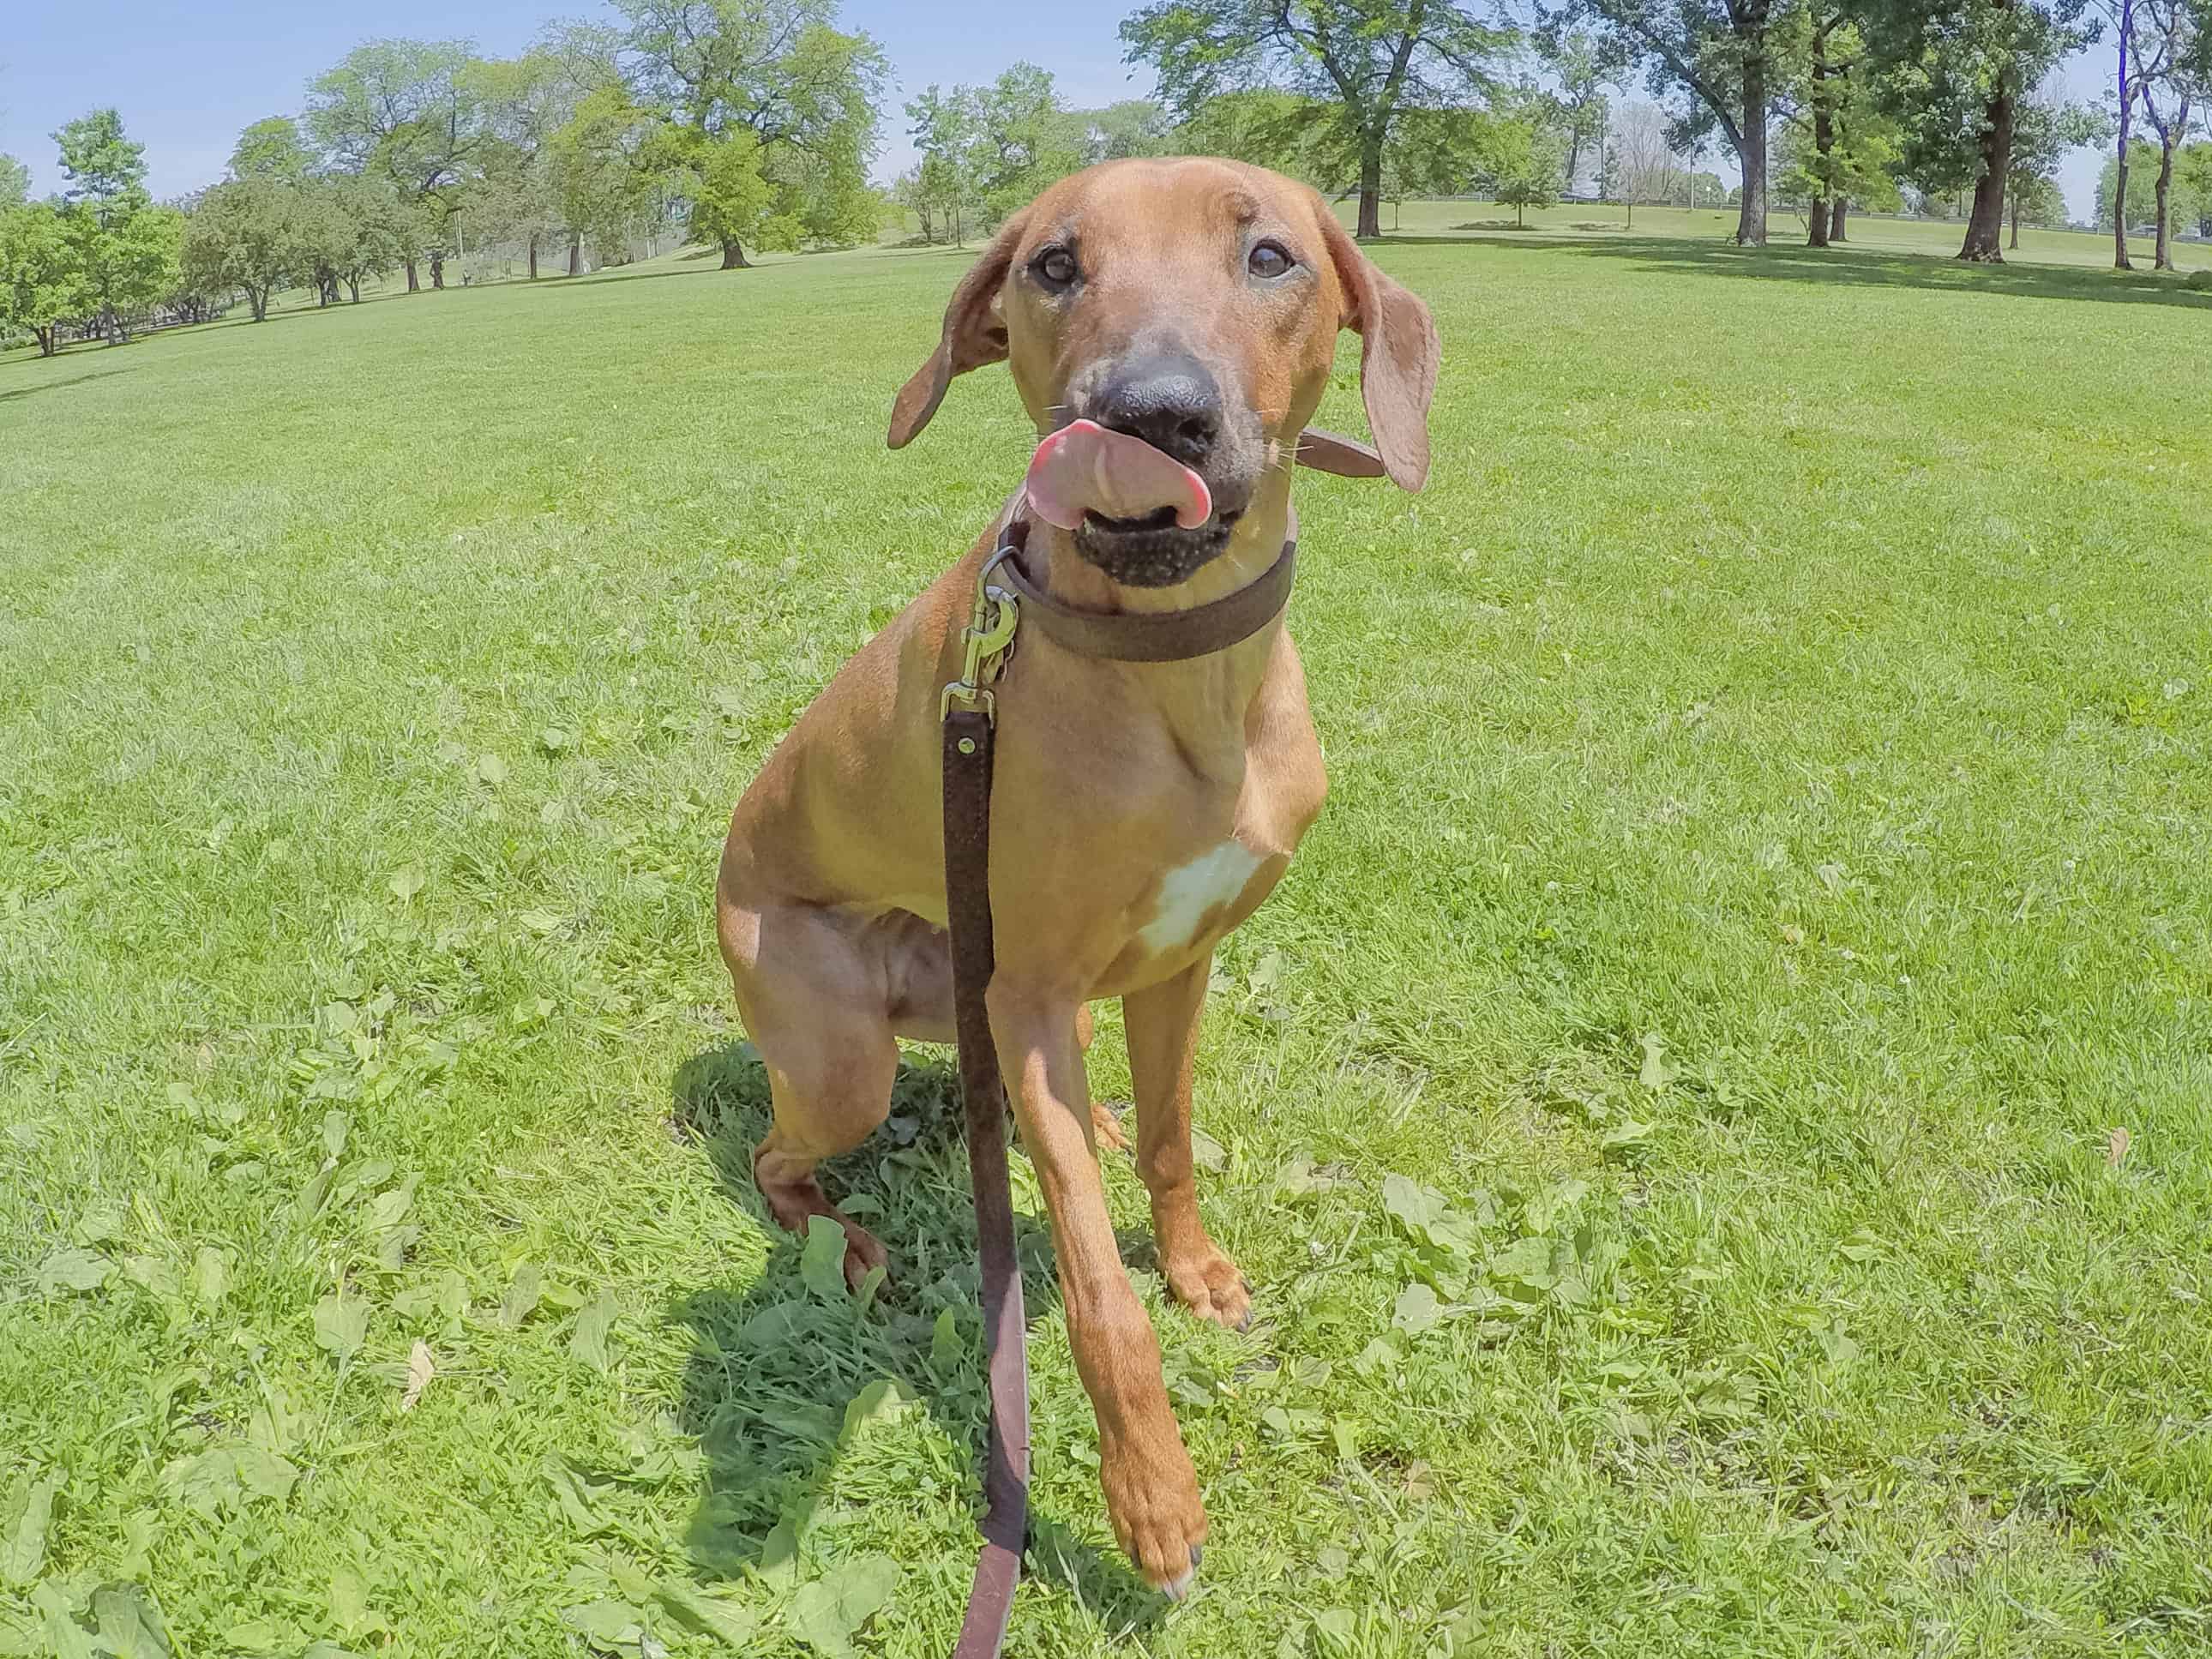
<point x="49" y="339"/>
<point x="1985" y="223"/>
<point x="2120" y="261"/>
<point x="733" y="256"/>
<point x="353" y="286"/>
<point x="437" y="270"/>
<point x="413" y="287"/>
<point x="1574" y="155"/>
<point x="2162" y="258"/>
<point x="533" y="256"/>
<point x="2013" y="245"/>
<point x="1824" y="140"/>
<point x="1751" y="222"/>
<point x="1836" y="224"/>
<point x="576" y="254"/>
<point x="1370" y="187"/>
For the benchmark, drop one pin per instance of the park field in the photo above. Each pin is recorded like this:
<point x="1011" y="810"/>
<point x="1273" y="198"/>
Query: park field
<point x="1718" y="1115"/>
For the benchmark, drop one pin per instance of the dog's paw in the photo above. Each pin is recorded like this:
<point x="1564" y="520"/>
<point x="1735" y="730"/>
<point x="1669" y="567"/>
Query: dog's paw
<point x="863" y="1253"/>
<point x="1106" y="1127"/>
<point x="1152" y="1501"/>
<point x="1210" y="1285"/>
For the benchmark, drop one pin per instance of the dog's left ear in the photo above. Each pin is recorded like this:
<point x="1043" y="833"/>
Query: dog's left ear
<point x="975" y="335"/>
<point x="1398" y="357"/>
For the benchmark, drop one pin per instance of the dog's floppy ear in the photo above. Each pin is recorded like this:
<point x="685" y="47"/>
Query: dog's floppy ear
<point x="975" y="335"/>
<point x="1398" y="355"/>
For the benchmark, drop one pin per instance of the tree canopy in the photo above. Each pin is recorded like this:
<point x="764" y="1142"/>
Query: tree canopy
<point x="1364" y="63"/>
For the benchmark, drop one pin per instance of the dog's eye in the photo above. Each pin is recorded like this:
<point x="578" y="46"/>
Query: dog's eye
<point x="1269" y="260"/>
<point x="1056" y="267"/>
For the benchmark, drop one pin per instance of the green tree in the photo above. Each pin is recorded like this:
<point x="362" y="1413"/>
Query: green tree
<point x="42" y="284"/>
<point x="1135" y="127"/>
<point x="1025" y="140"/>
<point x="273" y="148"/>
<point x="604" y="176"/>
<point x="2192" y="187"/>
<point x="1520" y="158"/>
<point x="2174" y="81"/>
<point x="766" y="102"/>
<point x="1954" y="76"/>
<point x="15" y="182"/>
<point x="411" y="113"/>
<point x="1585" y="65"/>
<point x="527" y="179"/>
<point x="946" y="128"/>
<point x="1713" y="60"/>
<point x="2142" y="199"/>
<point x="2044" y="132"/>
<point x="246" y="235"/>
<point x="370" y="227"/>
<point x="1837" y="145"/>
<point x="1366" y="63"/>
<point x="1285" y="131"/>
<point x="125" y="245"/>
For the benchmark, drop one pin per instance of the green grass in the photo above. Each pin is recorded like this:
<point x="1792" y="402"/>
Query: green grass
<point x="1766" y="863"/>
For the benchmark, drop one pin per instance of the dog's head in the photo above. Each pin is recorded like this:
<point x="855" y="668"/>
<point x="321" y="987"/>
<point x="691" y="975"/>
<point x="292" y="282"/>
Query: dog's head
<point x="1195" y="304"/>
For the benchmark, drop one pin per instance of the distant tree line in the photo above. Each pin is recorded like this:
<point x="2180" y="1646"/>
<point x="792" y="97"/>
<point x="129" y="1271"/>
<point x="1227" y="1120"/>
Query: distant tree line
<point x="751" y="123"/>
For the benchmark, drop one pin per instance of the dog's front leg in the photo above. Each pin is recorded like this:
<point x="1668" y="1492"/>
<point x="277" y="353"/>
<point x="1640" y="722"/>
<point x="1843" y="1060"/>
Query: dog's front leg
<point x="1162" y="1021"/>
<point x="1152" y="1491"/>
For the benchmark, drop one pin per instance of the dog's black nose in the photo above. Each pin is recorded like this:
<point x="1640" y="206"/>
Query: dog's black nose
<point x="1171" y="402"/>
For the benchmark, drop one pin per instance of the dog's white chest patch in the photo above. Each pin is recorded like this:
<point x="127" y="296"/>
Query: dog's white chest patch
<point x="1194" y="891"/>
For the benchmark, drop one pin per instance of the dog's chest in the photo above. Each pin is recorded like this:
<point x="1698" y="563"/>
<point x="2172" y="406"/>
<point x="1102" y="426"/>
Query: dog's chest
<point x="1194" y="895"/>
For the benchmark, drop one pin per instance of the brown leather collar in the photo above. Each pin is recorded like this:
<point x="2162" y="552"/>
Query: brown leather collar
<point x="1147" y="636"/>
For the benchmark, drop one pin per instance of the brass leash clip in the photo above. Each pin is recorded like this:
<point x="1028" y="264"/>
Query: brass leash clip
<point x="988" y="644"/>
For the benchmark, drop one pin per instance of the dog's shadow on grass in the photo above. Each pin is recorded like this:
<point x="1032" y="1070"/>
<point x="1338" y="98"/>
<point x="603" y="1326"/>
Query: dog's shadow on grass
<point x="774" y="1367"/>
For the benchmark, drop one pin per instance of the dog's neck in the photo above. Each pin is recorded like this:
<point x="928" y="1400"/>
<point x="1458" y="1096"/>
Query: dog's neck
<point x="1204" y="700"/>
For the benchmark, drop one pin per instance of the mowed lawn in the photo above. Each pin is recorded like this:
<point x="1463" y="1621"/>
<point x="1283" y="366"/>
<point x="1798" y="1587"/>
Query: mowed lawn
<point x="1719" y="1114"/>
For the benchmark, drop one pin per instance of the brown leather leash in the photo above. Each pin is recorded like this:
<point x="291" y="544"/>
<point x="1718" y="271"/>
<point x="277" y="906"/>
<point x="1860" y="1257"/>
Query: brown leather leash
<point x="968" y="711"/>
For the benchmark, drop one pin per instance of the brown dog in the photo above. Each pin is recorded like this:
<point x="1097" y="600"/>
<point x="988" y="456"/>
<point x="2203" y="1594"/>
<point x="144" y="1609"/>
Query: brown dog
<point x="1141" y="811"/>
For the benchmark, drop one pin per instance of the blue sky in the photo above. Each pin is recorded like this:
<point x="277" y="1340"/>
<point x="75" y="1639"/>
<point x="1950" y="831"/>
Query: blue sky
<point x="188" y="77"/>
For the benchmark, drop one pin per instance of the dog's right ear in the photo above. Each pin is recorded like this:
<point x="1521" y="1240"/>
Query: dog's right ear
<point x="975" y="335"/>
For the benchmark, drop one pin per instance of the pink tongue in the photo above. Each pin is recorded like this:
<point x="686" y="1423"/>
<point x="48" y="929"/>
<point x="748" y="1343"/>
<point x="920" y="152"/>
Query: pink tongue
<point x="1084" y="468"/>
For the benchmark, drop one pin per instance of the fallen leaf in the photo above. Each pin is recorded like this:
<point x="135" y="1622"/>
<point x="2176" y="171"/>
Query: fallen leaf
<point x="405" y="885"/>
<point x="522" y="1291"/>
<point x="130" y="1625"/>
<point x="211" y="1276"/>
<point x="722" y="1616"/>
<point x="1417" y="1311"/>
<point x="1655" y="1072"/>
<point x="825" y="1614"/>
<point x="73" y="1270"/>
<point x="1207" y="1152"/>
<point x="228" y="1478"/>
<point x="606" y="1624"/>
<point x="821" y="1263"/>
<point x="589" y="1344"/>
<point x="342" y="1324"/>
<point x="419" y="1369"/>
<point x="2116" y="1148"/>
<point x="491" y="769"/>
<point x="23" y="1547"/>
<point x="881" y="1401"/>
<point x="946" y="1347"/>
